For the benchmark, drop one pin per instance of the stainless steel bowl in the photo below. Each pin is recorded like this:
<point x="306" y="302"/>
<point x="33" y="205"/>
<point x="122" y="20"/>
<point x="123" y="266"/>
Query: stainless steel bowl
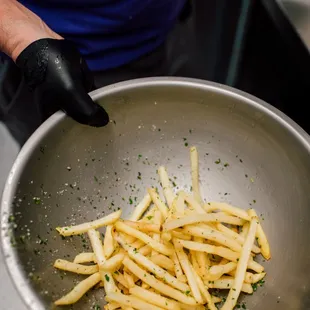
<point x="68" y="173"/>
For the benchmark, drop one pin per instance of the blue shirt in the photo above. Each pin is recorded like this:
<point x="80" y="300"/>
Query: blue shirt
<point x="109" y="33"/>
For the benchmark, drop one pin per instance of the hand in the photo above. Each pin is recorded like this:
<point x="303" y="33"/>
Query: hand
<point x="19" y="27"/>
<point x="60" y="78"/>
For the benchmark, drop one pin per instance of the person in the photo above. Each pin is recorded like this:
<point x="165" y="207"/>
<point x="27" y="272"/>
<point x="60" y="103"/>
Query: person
<point x="62" y="49"/>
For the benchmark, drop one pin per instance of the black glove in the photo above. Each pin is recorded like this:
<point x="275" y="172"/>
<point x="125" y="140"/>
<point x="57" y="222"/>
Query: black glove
<point x="60" y="79"/>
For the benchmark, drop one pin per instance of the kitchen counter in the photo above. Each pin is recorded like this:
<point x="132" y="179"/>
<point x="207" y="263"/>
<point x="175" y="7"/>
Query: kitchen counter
<point x="294" y="14"/>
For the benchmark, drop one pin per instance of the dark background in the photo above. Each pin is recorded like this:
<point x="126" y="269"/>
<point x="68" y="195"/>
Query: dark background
<point x="252" y="46"/>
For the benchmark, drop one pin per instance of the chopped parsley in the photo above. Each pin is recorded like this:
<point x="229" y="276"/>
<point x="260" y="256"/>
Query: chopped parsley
<point x="11" y="219"/>
<point x="107" y="277"/>
<point x="37" y="200"/>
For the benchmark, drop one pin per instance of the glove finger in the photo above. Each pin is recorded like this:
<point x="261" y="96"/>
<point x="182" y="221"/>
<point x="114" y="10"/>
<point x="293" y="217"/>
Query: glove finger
<point x="46" y="104"/>
<point x="84" y="110"/>
<point x="87" y="76"/>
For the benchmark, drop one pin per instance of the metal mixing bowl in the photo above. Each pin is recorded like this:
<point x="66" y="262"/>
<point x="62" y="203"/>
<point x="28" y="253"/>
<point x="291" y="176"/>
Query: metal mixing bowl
<point x="68" y="173"/>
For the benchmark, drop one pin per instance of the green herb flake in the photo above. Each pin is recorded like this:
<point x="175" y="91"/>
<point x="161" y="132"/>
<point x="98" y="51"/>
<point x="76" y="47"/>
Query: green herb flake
<point x="186" y="144"/>
<point x="261" y="282"/>
<point x="130" y="201"/>
<point x="11" y="219"/>
<point x="226" y="165"/>
<point x="149" y="217"/>
<point x="37" y="200"/>
<point x="187" y="292"/>
<point x="218" y="161"/>
<point x="107" y="277"/>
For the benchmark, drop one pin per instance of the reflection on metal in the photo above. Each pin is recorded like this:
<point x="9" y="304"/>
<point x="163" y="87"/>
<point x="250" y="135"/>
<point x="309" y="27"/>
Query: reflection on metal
<point x="298" y="13"/>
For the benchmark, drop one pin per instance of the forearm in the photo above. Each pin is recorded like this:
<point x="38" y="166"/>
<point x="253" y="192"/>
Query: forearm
<point x="19" y="27"/>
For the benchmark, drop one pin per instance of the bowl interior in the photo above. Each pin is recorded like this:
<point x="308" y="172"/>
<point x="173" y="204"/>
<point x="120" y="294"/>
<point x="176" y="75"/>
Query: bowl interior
<point x="75" y="173"/>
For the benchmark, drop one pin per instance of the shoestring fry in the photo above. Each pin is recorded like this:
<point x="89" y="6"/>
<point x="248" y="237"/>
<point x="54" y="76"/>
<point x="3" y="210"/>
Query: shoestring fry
<point x="171" y="253"/>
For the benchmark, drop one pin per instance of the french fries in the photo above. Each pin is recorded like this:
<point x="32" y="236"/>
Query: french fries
<point x="188" y="272"/>
<point x="165" y="183"/>
<point x="74" y="267"/>
<point x="140" y="208"/>
<point x="145" y="227"/>
<point x="233" y="295"/>
<point x="230" y="233"/>
<point x="168" y="255"/>
<point x="108" y="242"/>
<point x="113" y="263"/>
<point x="207" y="232"/>
<point x="85" y="257"/>
<point x="158" y="202"/>
<point x="158" y="285"/>
<point x="149" y="265"/>
<point x="159" y="247"/>
<point x="260" y="236"/>
<point x="130" y="301"/>
<point x="195" y="174"/>
<point x="202" y="218"/>
<point x="79" y="290"/>
<point x="82" y="228"/>
<point x="154" y="298"/>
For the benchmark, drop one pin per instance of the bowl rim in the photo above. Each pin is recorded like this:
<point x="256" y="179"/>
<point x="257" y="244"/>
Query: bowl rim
<point x="28" y="295"/>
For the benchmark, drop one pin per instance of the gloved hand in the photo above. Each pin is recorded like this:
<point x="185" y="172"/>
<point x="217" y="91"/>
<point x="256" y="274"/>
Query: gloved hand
<point x="60" y="79"/>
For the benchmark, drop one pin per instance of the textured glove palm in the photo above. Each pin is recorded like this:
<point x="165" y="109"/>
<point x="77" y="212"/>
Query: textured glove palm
<point x="60" y="79"/>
